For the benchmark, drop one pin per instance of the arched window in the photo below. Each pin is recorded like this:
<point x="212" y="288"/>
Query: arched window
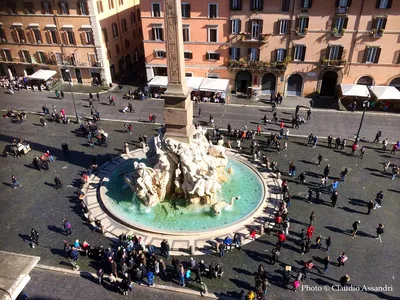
<point x="105" y="35"/>
<point x="366" y="80"/>
<point x="124" y="26"/>
<point x="115" y="30"/>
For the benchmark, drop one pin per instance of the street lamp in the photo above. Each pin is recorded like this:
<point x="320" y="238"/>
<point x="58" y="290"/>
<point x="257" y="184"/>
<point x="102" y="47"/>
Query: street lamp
<point x="365" y="105"/>
<point x="78" y="120"/>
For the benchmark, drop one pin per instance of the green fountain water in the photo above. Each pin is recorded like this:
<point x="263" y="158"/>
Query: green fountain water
<point x="177" y="217"/>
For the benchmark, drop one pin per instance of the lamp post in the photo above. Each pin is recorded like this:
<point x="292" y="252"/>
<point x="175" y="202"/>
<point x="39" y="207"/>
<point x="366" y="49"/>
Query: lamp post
<point x="365" y="105"/>
<point x="78" y="120"/>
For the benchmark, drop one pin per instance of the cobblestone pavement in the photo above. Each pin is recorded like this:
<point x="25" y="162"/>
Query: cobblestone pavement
<point x="371" y="263"/>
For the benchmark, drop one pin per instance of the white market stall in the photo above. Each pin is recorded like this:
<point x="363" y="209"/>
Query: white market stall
<point x="354" y="90"/>
<point x="385" y="97"/>
<point x="41" y="79"/>
<point x="214" y="89"/>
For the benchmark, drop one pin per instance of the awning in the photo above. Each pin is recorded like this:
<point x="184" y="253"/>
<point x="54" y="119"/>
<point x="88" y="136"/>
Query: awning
<point x="194" y="82"/>
<point x="354" y="90"/>
<point x="43" y="75"/>
<point x="214" y="85"/>
<point x="160" y="81"/>
<point x="385" y="92"/>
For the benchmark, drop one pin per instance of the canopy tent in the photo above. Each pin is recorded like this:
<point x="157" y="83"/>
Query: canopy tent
<point x="160" y="81"/>
<point x="214" y="85"/>
<point x="354" y="90"/>
<point x="194" y="82"/>
<point x="43" y="75"/>
<point x="385" y="92"/>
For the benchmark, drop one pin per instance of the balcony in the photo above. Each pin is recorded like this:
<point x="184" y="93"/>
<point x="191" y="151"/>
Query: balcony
<point x="329" y="63"/>
<point x="245" y="64"/>
<point x="301" y="32"/>
<point x="376" y="33"/>
<point x="338" y="32"/>
<point x="249" y="38"/>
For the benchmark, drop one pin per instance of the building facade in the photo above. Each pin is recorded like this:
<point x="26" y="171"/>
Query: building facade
<point x="295" y="47"/>
<point x="68" y="35"/>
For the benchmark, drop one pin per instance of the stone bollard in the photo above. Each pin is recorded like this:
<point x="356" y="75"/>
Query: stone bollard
<point x="192" y="250"/>
<point x="216" y="246"/>
<point x="262" y="229"/>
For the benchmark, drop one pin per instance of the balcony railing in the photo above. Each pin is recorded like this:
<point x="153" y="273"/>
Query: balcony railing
<point x="342" y="10"/>
<point x="338" y="32"/>
<point x="301" y="32"/>
<point x="244" y="64"/>
<point x="333" y="63"/>
<point x="248" y="37"/>
<point x="376" y="33"/>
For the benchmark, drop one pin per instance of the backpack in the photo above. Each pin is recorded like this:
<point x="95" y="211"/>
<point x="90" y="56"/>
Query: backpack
<point x="67" y="225"/>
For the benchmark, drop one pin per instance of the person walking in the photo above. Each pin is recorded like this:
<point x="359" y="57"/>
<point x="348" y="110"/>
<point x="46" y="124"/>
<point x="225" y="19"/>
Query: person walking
<point x="100" y="275"/>
<point x="343" y="174"/>
<point x="91" y="103"/>
<point x="319" y="159"/>
<point x="384" y="144"/>
<point x="334" y="199"/>
<point x="386" y="167"/>
<point x="326" y="263"/>
<point x="356" y="226"/>
<point x="275" y="256"/>
<point x="395" y="172"/>
<point x="312" y="218"/>
<point x="34" y="238"/>
<point x="327" y="170"/>
<point x="342" y="259"/>
<point x="328" y="243"/>
<point x="370" y="206"/>
<point x="318" y="242"/>
<point x="130" y="106"/>
<point x="62" y="95"/>
<point x="378" y="200"/>
<point x="67" y="227"/>
<point x="330" y="138"/>
<point x="310" y="231"/>
<point x="310" y="195"/>
<point x="354" y="148"/>
<point x="344" y="280"/>
<point x="15" y="183"/>
<point x="309" y="114"/>
<point x="377" y="137"/>
<point x="58" y="183"/>
<point x="199" y="113"/>
<point x="98" y="97"/>
<point x="379" y="231"/>
<point x="362" y="152"/>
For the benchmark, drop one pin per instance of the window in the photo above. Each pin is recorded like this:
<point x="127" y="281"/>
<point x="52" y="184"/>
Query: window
<point x="82" y="8"/>
<point x="117" y="48"/>
<point x="71" y="37"/>
<point x="285" y="5"/>
<point x="188" y="55"/>
<point x="7" y="54"/>
<point x="138" y="14"/>
<point x="158" y="33"/>
<point x="212" y="56"/>
<point x="306" y="3"/>
<point x="280" y="55"/>
<point x="384" y="4"/>
<point x="124" y="26"/>
<point x="236" y="26"/>
<point x="156" y="9"/>
<point x="186" y="33"/>
<point x="340" y="24"/>
<point x="372" y="55"/>
<point x="379" y="24"/>
<point x="127" y="43"/>
<point x="12" y="7"/>
<point x="213" y="75"/>
<point x="212" y="35"/>
<point x="26" y="57"/>
<point x="3" y="36"/>
<point x="53" y="36"/>
<point x="46" y="7"/>
<point x="253" y="54"/>
<point x="234" y="53"/>
<point x="92" y="59"/>
<point x="236" y="4"/>
<point x="89" y="37"/>
<point x="342" y="5"/>
<point x="335" y="53"/>
<point x="133" y="18"/>
<point x="160" y="53"/>
<point x="256" y="5"/>
<point x="121" y="2"/>
<point x="256" y="29"/>
<point x="188" y="74"/>
<point x="185" y="10"/>
<point x="212" y="10"/>
<point x="299" y="52"/>
<point x="110" y="4"/>
<point x="64" y="8"/>
<point x="21" y="35"/>
<point x="302" y="25"/>
<point x="105" y="35"/>
<point x="283" y="26"/>
<point x="29" y="8"/>
<point x="99" y="6"/>
<point x="38" y="36"/>
<point x="42" y="57"/>
<point x="114" y="30"/>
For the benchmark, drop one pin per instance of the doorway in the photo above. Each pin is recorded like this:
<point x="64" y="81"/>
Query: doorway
<point x="294" y="85"/>
<point x="78" y="75"/>
<point x="243" y="81"/>
<point x="329" y="82"/>
<point x="268" y="84"/>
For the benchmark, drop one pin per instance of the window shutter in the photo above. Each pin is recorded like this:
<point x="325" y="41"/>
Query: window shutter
<point x="348" y="3"/>
<point x="310" y="4"/>
<point x="303" y="55"/>
<point x="389" y="4"/>
<point x="48" y="37"/>
<point x="262" y="5"/>
<point x="83" y="38"/>
<point x="78" y="8"/>
<point x="307" y="21"/>
<point x="230" y="53"/>
<point x="21" y="55"/>
<point x="218" y="56"/>
<point x="43" y="11"/>
<point x="248" y="53"/>
<point x="297" y="23"/>
<point x="240" y="5"/>
<point x="67" y="6"/>
<point x="240" y="25"/>
<point x="302" y="3"/>
<point x="251" y="5"/>
<point x="30" y="36"/>
<point x="327" y="52"/>
<point x="378" y="54"/>
<point x="346" y="20"/>
<point x="378" y="3"/>
<point x="64" y="38"/>
<point x="59" y="8"/>
<point x="274" y="55"/>
<point x="292" y="52"/>
<point x="340" y="54"/>
<point x="337" y="3"/>
<point x="261" y="26"/>
<point x="374" y="23"/>
<point x="162" y="34"/>
<point x="207" y="56"/>
<point x="384" y="23"/>
<point x="238" y="53"/>
<point x="189" y="10"/>
<point x="365" y="54"/>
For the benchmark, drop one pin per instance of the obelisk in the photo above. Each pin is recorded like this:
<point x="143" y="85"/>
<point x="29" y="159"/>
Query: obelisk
<point x="178" y="107"/>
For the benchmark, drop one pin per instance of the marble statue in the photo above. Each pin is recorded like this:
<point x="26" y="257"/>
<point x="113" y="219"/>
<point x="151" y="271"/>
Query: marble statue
<point x="219" y="206"/>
